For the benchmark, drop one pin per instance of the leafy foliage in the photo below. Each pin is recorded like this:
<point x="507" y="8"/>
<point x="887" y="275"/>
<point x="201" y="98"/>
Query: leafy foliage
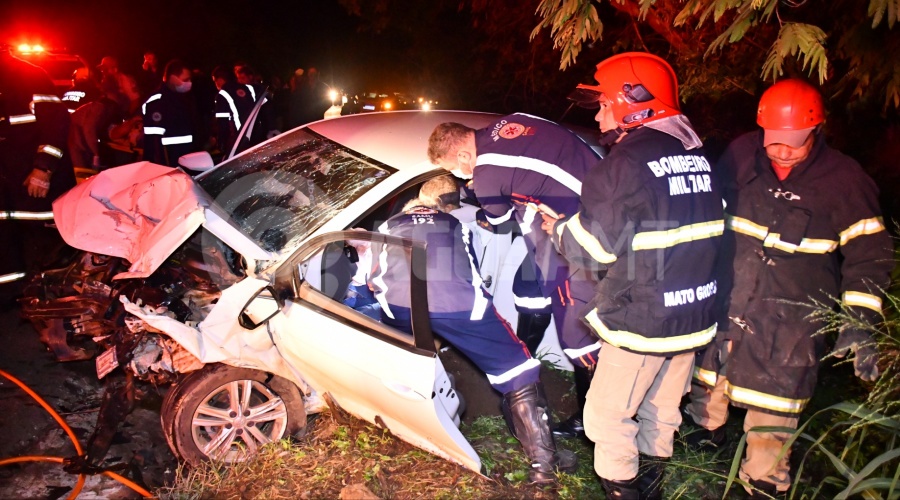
<point x="571" y="23"/>
<point x="795" y="39"/>
<point x="792" y="31"/>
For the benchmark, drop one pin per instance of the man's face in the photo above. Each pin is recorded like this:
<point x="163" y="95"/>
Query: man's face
<point x="460" y="164"/>
<point x="787" y="157"/>
<point x="175" y="81"/>
<point x="243" y="78"/>
<point x="605" y="115"/>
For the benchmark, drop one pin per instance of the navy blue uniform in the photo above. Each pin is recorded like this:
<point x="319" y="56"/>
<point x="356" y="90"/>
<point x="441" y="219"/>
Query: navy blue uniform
<point x="526" y="165"/>
<point x="461" y="311"/>
<point x="170" y="127"/>
<point x="234" y="103"/>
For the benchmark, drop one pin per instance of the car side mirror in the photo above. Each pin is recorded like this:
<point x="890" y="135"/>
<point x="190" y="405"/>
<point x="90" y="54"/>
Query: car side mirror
<point x="200" y="161"/>
<point x="262" y="307"/>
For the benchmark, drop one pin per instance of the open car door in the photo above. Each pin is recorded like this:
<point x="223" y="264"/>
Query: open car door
<point x="373" y="371"/>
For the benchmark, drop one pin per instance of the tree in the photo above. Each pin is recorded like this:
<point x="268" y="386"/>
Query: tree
<point x="842" y="42"/>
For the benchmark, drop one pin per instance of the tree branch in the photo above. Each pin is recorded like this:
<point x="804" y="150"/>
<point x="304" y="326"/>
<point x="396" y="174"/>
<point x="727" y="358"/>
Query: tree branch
<point x="661" y="26"/>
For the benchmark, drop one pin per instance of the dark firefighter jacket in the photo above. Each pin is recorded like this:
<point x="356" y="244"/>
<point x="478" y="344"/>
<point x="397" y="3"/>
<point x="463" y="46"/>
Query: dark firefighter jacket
<point x="171" y="126"/>
<point x="34" y="127"/>
<point x="651" y="215"/>
<point x="818" y="235"/>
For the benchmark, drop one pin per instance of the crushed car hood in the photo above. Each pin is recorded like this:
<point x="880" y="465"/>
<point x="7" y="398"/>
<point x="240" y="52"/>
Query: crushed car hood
<point x="140" y="212"/>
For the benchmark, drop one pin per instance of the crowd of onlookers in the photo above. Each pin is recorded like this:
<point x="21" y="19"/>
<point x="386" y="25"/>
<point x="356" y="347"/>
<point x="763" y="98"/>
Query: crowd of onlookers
<point x="118" y="116"/>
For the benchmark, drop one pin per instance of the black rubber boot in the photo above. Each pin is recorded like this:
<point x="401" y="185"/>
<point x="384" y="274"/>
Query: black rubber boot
<point x="764" y="489"/>
<point x="527" y="415"/>
<point x="701" y="439"/>
<point x="531" y="328"/>
<point x="573" y="427"/>
<point x="650" y="477"/>
<point x="620" y="490"/>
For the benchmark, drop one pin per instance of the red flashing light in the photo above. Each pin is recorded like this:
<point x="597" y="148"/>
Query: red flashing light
<point x="28" y="49"/>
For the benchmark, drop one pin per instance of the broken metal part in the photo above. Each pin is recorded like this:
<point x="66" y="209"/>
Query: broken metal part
<point x="118" y="401"/>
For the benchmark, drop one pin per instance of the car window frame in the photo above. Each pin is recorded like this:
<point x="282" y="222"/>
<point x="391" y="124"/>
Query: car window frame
<point x="290" y="286"/>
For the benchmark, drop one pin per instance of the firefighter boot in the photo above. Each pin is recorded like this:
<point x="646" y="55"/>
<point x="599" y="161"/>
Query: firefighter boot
<point x="620" y="490"/>
<point x="650" y="477"/>
<point x="528" y="417"/>
<point x="531" y="330"/>
<point x="573" y="426"/>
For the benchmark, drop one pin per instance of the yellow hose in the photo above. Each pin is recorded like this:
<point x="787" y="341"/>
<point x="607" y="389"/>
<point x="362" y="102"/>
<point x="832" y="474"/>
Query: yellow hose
<point x="33" y="458"/>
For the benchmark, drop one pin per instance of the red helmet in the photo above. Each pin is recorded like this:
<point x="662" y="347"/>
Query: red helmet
<point x="641" y="87"/>
<point x="790" y="105"/>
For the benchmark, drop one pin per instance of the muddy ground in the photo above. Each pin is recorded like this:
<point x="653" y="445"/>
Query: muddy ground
<point x="139" y="451"/>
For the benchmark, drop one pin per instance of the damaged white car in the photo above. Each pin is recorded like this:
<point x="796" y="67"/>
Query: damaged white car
<point x="231" y="286"/>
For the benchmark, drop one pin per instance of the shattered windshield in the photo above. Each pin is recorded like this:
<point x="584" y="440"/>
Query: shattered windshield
<point x="281" y="192"/>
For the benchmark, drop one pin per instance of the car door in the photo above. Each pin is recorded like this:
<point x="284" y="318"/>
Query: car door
<point x="380" y="374"/>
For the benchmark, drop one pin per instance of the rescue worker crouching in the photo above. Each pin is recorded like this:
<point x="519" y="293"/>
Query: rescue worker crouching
<point x="803" y="224"/>
<point x="463" y="314"/>
<point x="520" y="167"/>
<point x="651" y="217"/>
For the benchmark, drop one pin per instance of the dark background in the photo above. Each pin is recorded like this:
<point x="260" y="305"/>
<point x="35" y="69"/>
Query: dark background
<point x="465" y="57"/>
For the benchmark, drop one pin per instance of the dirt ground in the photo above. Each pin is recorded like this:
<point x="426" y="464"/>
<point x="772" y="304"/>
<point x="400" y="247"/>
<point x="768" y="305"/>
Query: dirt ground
<point x="139" y="450"/>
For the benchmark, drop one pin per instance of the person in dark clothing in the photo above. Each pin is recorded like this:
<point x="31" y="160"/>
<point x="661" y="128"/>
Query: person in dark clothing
<point x="651" y="218"/>
<point x="150" y="75"/>
<point x="523" y="166"/>
<point x="34" y="169"/>
<point x="462" y="313"/>
<point x="803" y="224"/>
<point x="309" y="100"/>
<point x="171" y="118"/>
<point x="84" y="89"/>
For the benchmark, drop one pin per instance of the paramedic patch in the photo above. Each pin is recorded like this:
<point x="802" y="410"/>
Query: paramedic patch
<point x="156" y="116"/>
<point x="241" y="93"/>
<point x="511" y="131"/>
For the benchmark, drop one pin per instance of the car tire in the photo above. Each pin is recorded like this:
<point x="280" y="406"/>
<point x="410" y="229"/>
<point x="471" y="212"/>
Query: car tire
<point x="201" y="422"/>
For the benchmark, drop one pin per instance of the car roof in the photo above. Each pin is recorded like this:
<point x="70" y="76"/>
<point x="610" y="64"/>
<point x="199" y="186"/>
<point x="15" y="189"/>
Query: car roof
<point x="381" y="136"/>
<point x="397" y="138"/>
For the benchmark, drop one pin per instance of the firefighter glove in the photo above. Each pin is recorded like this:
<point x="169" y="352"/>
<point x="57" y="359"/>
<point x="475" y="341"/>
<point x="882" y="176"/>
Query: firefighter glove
<point x="865" y="360"/>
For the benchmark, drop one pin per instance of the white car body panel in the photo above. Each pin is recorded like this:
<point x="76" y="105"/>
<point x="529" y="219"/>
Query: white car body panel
<point x="379" y="382"/>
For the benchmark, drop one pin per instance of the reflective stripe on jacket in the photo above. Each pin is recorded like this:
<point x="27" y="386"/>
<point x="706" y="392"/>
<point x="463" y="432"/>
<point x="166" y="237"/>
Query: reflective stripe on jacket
<point x="652" y="216"/>
<point x="815" y="236"/>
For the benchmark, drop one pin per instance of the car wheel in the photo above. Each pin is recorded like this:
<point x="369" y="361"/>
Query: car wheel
<point x="226" y="414"/>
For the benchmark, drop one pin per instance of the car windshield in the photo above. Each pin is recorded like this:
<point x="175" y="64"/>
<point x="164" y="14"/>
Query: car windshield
<point x="281" y="192"/>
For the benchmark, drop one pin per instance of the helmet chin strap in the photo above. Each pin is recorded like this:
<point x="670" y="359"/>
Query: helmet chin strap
<point x="608" y="139"/>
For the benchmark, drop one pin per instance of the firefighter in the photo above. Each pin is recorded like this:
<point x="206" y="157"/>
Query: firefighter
<point x="171" y="120"/>
<point x="651" y="217"/>
<point x="803" y="224"/>
<point x="522" y="166"/>
<point x="84" y="89"/>
<point x="34" y="168"/>
<point x="462" y="313"/>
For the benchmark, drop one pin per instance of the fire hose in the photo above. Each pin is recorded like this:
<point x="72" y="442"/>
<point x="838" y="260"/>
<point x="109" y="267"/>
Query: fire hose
<point x="65" y="461"/>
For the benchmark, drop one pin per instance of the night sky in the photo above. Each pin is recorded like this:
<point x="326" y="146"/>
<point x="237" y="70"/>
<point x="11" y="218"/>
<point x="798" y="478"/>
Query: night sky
<point x="273" y="36"/>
